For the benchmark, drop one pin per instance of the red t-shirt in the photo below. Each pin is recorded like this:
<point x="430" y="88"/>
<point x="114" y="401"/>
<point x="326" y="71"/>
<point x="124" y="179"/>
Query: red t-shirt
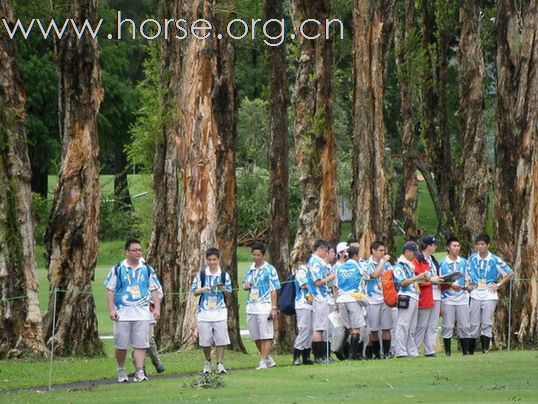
<point x="425" y="299"/>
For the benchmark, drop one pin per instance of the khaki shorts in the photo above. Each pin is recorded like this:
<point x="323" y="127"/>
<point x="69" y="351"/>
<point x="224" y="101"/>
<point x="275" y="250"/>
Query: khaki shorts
<point x="320" y="320"/>
<point x="213" y="333"/>
<point x="352" y="314"/>
<point x="260" y="327"/>
<point x="134" y="333"/>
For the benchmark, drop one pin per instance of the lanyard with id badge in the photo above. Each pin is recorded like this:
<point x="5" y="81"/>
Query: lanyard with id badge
<point x="254" y="291"/>
<point x="482" y="280"/>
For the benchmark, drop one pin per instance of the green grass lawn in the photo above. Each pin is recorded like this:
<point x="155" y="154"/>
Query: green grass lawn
<point x="498" y="376"/>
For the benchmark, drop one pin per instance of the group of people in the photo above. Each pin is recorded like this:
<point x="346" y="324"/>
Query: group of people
<point x="334" y="281"/>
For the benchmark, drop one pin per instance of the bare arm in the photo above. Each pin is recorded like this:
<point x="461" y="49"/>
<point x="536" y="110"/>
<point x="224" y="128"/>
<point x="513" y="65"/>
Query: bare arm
<point x="113" y="314"/>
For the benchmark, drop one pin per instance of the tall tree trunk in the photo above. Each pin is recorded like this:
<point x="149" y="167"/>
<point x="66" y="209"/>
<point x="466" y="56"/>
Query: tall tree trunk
<point x="207" y="117"/>
<point x="314" y="139"/>
<point x="404" y="61"/>
<point x="278" y="237"/>
<point x="71" y="236"/>
<point x="372" y="211"/>
<point x="517" y="57"/>
<point x="224" y="108"/>
<point x="507" y="140"/>
<point x="121" y="183"/>
<point x="473" y="175"/>
<point x="163" y="252"/>
<point x="21" y="331"/>
<point x="433" y="102"/>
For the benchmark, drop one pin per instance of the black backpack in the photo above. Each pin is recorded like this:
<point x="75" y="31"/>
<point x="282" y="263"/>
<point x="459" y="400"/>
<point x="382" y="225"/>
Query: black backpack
<point x="286" y="302"/>
<point x="202" y="282"/>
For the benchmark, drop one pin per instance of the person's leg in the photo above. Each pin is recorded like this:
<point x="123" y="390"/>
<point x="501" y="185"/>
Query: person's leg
<point x="449" y="317"/>
<point x="153" y="352"/>
<point x="462" y="317"/>
<point x="486" y="333"/>
<point x="121" y="354"/>
<point x="401" y="332"/>
<point x="474" y="318"/>
<point x="252" y="321"/>
<point x="386" y="324"/>
<point x="430" y="338"/>
<point x="412" y="348"/>
<point x="422" y="325"/>
<point x="220" y="353"/>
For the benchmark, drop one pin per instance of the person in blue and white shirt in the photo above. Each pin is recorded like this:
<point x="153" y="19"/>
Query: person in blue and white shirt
<point x="487" y="273"/>
<point x="318" y="272"/>
<point x="261" y="281"/>
<point x="408" y="291"/>
<point x="455" y="298"/>
<point x="211" y="283"/>
<point x="378" y="314"/>
<point x="131" y="284"/>
<point x="347" y="285"/>
<point x="304" y="287"/>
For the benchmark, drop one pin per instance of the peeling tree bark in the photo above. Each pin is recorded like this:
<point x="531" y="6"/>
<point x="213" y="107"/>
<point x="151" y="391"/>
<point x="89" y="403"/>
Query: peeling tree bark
<point x="71" y="236"/>
<point x="278" y="236"/>
<point x="163" y="253"/>
<point x="474" y="176"/>
<point x="404" y="61"/>
<point x="517" y="58"/>
<point x="21" y="330"/>
<point x="372" y="210"/>
<point x="314" y="139"/>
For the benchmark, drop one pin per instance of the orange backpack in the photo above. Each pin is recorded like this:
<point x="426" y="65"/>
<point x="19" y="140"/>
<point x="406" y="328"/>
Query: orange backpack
<point x="390" y="291"/>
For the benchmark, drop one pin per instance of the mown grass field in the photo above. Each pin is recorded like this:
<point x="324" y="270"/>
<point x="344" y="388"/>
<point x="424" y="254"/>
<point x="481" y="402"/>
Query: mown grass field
<point x="498" y="376"/>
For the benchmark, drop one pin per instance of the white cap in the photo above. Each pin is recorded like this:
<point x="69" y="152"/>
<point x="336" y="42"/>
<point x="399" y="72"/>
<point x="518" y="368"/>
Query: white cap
<point x="342" y="246"/>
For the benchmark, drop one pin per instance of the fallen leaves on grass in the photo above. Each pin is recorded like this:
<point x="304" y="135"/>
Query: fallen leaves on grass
<point x="211" y="381"/>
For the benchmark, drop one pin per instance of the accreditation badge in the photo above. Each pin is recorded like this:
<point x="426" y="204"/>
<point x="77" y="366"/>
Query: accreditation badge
<point x="254" y="294"/>
<point x="134" y="290"/>
<point x="212" y="301"/>
<point x="482" y="284"/>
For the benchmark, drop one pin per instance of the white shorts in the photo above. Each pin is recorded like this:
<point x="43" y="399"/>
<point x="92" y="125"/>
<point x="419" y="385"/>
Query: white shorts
<point x="213" y="333"/>
<point x="260" y="327"/>
<point x="134" y="333"/>
<point x="379" y="316"/>
<point x="320" y="320"/>
<point x="352" y="314"/>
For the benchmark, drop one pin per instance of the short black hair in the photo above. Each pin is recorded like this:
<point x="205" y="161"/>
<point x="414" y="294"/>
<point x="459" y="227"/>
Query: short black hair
<point x="258" y="245"/>
<point x="321" y="243"/>
<point x="352" y="240"/>
<point x="451" y="240"/>
<point x="131" y="241"/>
<point x="375" y="245"/>
<point x="352" y="251"/>
<point x="212" y="251"/>
<point x="482" y="237"/>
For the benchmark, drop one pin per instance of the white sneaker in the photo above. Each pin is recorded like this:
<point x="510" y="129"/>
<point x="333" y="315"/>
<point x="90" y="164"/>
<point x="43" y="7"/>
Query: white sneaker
<point x="270" y="362"/>
<point x="122" y="376"/>
<point x="262" y="365"/>
<point x="221" y="370"/>
<point x="140" y="376"/>
<point x="207" y="368"/>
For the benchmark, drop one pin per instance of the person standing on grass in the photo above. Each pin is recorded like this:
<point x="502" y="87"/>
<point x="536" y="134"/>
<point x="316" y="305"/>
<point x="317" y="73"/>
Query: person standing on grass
<point x="318" y="271"/>
<point x="348" y="283"/>
<point x="487" y="273"/>
<point x="304" y="288"/>
<point x="261" y="281"/>
<point x="211" y="284"/>
<point x="408" y="291"/>
<point x="429" y="302"/>
<point x="131" y="284"/>
<point x="455" y="298"/>
<point x="378" y="314"/>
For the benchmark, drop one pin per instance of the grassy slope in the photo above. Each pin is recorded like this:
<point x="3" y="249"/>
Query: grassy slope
<point x="499" y="376"/>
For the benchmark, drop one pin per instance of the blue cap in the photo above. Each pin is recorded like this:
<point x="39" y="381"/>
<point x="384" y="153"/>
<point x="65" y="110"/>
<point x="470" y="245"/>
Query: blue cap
<point x="429" y="240"/>
<point x="411" y="246"/>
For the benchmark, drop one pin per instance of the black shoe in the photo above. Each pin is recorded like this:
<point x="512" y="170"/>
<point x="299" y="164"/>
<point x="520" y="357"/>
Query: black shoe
<point x="297" y="357"/>
<point x="484" y="341"/>
<point x="159" y="368"/>
<point x="386" y="349"/>
<point x="472" y="345"/>
<point x="464" y="342"/>
<point x="448" y="346"/>
<point x="430" y="355"/>
<point x="376" y="349"/>
<point x="306" y="357"/>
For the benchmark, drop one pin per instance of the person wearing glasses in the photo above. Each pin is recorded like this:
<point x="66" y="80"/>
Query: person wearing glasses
<point x="131" y="284"/>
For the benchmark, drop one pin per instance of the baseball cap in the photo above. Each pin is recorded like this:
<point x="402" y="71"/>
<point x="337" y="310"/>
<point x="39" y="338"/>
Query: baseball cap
<point x="410" y="245"/>
<point x="342" y="246"/>
<point x="428" y="240"/>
